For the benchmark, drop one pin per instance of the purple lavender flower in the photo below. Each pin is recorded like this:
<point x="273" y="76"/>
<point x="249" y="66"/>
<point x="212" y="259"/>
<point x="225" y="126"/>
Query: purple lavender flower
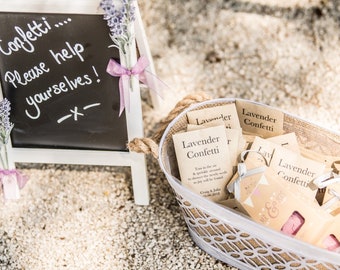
<point x="5" y="124"/>
<point x="119" y="16"/>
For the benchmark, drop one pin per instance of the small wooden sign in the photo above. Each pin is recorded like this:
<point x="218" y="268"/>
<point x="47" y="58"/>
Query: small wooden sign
<point x="65" y="106"/>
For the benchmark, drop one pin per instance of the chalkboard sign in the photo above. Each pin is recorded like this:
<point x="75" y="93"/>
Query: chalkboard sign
<point x="65" y="107"/>
<point x="53" y="71"/>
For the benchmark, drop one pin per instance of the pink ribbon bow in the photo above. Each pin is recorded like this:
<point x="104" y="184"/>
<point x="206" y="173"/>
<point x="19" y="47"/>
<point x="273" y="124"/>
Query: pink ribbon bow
<point x="21" y="178"/>
<point x="12" y="184"/>
<point x="117" y="70"/>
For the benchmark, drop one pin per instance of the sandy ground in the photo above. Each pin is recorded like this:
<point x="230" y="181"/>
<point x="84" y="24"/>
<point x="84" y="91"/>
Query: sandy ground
<point x="83" y="217"/>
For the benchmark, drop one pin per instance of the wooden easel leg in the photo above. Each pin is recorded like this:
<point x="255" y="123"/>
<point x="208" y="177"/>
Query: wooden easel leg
<point x="140" y="182"/>
<point x="144" y="49"/>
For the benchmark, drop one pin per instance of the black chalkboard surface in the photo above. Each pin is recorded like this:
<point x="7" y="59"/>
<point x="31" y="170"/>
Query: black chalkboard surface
<point x="53" y="71"/>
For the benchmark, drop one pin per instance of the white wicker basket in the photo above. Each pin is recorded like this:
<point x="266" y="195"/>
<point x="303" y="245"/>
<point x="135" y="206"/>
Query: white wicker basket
<point x="233" y="238"/>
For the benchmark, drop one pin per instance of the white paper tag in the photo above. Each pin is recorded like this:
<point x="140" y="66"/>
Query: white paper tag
<point x="10" y="187"/>
<point x="204" y="161"/>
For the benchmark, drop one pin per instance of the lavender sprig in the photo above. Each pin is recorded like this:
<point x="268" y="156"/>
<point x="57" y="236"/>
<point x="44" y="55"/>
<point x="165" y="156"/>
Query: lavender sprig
<point x="5" y="124"/>
<point x="5" y="129"/>
<point x="119" y="16"/>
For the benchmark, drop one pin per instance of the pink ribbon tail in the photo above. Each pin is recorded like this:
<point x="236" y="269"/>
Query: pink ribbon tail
<point x="148" y="78"/>
<point x="22" y="180"/>
<point x="124" y="97"/>
<point x="117" y="70"/>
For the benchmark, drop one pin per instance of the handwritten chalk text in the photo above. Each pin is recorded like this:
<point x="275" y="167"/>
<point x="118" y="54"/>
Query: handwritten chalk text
<point x="25" y="38"/>
<point x="35" y="72"/>
<point x="68" y="53"/>
<point x="64" y="86"/>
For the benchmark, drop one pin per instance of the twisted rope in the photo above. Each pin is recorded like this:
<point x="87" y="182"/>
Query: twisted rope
<point x="150" y="145"/>
<point x="144" y="145"/>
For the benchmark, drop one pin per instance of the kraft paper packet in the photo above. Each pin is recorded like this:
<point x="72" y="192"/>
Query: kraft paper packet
<point x="272" y="203"/>
<point x="328" y="187"/>
<point x="227" y="113"/>
<point x="330" y="236"/>
<point x="333" y="186"/>
<point x="236" y="142"/>
<point x="248" y="138"/>
<point x="331" y="196"/>
<point x="203" y="161"/>
<point x="259" y="119"/>
<point x="295" y="170"/>
<point x="213" y="123"/>
<point x="244" y="181"/>
<point x="266" y="149"/>
<point x="288" y="140"/>
<point x="328" y="160"/>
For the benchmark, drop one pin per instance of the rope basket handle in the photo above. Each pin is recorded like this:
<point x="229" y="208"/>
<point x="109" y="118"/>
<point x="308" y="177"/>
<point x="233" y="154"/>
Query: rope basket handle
<point x="150" y="145"/>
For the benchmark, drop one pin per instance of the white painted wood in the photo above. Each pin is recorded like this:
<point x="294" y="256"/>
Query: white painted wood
<point x="51" y="6"/>
<point x="134" y="121"/>
<point x="71" y="156"/>
<point x="144" y="49"/>
<point x="134" y="118"/>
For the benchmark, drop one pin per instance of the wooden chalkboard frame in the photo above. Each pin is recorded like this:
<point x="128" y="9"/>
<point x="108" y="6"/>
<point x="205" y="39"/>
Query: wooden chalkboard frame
<point x="134" y="119"/>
